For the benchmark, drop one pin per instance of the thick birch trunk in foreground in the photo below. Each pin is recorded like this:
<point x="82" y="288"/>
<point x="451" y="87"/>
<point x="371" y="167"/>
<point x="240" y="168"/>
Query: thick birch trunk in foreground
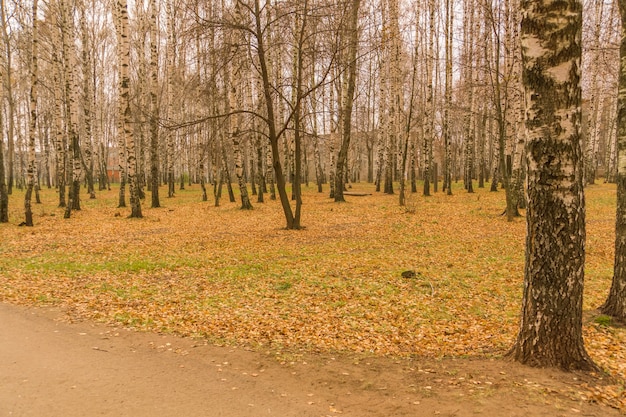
<point x="615" y="304"/>
<point x="550" y="332"/>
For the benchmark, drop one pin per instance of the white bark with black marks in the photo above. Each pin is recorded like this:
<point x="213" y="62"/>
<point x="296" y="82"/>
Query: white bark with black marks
<point x="550" y="332"/>
<point x="28" y="213"/>
<point x="615" y="304"/>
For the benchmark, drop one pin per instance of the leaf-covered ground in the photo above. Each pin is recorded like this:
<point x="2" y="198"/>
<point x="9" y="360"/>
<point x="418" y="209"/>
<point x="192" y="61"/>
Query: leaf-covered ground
<point x="238" y="277"/>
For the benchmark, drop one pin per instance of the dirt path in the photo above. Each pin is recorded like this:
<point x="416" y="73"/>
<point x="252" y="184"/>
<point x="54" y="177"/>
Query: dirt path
<point x="49" y="367"/>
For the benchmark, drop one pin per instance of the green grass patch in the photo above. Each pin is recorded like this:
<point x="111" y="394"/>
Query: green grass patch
<point x="603" y="320"/>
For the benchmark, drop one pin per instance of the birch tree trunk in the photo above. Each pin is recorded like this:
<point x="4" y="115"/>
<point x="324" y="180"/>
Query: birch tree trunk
<point x="273" y="134"/>
<point x="472" y="80"/>
<point x="499" y="89"/>
<point x="615" y="304"/>
<point x="269" y="175"/>
<point x="612" y="151"/>
<point x="57" y="111"/>
<point x="4" y="195"/>
<point x="10" y="99"/>
<point x="234" y="82"/>
<point x="348" y="99"/>
<point x="395" y="96"/>
<point x="121" y="144"/>
<point x="516" y="109"/>
<point x="87" y="66"/>
<point x="408" y="143"/>
<point x="319" y="173"/>
<point x="260" y="157"/>
<point x="154" y="108"/>
<point x="550" y="332"/>
<point x="332" y="139"/>
<point x="33" y="122"/>
<point x="125" y="111"/>
<point x="591" y="154"/>
<point x="300" y="31"/>
<point x="71" y="99"/>
<point x="447" y="165"/>
<point x="429" y="108"/>
<point x="382" y="115"/>
<point x="171" y="62"/>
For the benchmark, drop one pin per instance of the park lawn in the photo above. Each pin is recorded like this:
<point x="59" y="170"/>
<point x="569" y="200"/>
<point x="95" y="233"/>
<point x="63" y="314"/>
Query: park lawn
<point x="238" y="277"/>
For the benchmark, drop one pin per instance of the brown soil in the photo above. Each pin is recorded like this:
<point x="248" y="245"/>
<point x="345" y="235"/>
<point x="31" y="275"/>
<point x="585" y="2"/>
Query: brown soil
<point x="49" y="367"/>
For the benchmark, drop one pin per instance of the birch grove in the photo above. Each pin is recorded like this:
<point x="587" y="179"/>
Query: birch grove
<point x="527" y="95"/>
<point x="269" y="94"/>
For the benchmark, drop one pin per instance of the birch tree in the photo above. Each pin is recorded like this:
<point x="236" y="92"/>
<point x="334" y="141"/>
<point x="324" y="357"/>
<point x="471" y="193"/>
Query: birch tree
<point x="58" y="113"/>
<point x="171" y="64"/>
<point x="4" y="195"/>
<point x="10" y="97"/>
<point x="71" y="103"/>
<point x="347" y="99"/>
<point x="235" y="79"/>
<point x="447" y="165"/>
<point x="124" y="108"/>
<point x="87" y="101"/>
<point x="154" y="107"/>
<point x="515" y="110"/>
<point x="499" y="87"/>
<point x="28" y="213"/>
<point x="550" y="332"/>
<point x="429" y="125"/>
<point x="615" y="304"/>
<point x="591" y="150"/>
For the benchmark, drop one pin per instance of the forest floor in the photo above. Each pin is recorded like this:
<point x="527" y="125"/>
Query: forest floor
<point x="328" y="302"/>
<point x="50" y="367"/>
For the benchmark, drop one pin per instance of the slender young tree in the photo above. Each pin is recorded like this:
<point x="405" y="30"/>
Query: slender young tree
<point x="591" y="150"/>
<point x="33" y="122"/>
<point x="10" y="99"/>
<point x="125" y="110"/>
<point x="154" y="107"/>
<point x="447" y="165"/>
<point x="235" y="99"/>
<point x="409" y="120"/>
<point x="391" y="43"/>
<point x="4" y="195"/>
<point x="60" y="140"/>
<point x="470" y="75"/>
<point x="429" y="125"/>
<point x="516" y="112"/>
<point x="171" y="64"/>
<point x="352" y="38"/>
<point x="87" y="67"/>
<point x="71" y="103"/>
<point x="615" y="304"/>
<point x="550" y="332"/>
<point x="499" y="94"/>
<point x="300" y="32"/>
